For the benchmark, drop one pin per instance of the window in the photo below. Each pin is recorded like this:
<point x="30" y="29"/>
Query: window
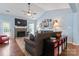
<point x="6" y="28"/>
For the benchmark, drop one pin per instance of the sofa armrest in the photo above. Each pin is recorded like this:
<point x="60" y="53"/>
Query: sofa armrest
<point x="29" y="42"/>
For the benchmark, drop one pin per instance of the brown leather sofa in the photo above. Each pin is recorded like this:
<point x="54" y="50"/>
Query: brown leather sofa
<point x="35" y="47"/>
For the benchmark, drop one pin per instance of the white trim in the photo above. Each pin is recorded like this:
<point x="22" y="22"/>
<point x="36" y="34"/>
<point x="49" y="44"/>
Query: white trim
<point x="70" y="42"/>
<point x="73" y="43"/>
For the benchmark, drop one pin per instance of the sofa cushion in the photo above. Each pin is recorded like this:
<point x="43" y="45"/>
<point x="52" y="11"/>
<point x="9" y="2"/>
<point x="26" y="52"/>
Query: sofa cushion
<point x="32" y="37"/>
<point x="4" y="38"/>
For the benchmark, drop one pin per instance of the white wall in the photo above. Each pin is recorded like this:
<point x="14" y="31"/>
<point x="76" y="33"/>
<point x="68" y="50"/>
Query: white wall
<point x="76" y="28"/>
<point x="11" y="20"/>
<point x="69" y="22"/>
<point x="8" y="19"/>
<point x="65" y="16"/>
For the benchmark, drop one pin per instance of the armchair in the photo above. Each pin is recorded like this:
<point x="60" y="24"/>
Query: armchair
<point x="4" y="39"/>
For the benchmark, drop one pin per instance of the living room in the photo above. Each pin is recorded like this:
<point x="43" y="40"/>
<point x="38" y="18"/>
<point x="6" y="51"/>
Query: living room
<point x="21" y="22"/>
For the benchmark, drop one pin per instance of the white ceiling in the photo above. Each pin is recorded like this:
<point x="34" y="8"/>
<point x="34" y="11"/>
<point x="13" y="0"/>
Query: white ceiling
<point x="53" y="6"/>
<point x="17" y="9"/>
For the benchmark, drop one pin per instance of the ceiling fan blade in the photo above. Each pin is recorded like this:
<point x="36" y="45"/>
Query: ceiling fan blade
<point x="34" y="13"/>
<point x="29" y="10"/>
<point x="24" y="11"/>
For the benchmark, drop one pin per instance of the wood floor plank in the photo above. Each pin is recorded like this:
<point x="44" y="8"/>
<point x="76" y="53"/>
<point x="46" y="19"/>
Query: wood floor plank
<point x="11" y="49"/>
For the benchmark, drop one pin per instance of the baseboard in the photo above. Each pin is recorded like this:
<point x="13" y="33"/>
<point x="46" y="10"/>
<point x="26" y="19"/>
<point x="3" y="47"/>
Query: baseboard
<point x="70" y="42"/>
<point x="73" y="43"/>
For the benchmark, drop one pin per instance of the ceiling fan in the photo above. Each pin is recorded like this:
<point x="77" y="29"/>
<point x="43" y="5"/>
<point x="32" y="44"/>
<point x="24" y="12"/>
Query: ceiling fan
<point x="29" y="11"/>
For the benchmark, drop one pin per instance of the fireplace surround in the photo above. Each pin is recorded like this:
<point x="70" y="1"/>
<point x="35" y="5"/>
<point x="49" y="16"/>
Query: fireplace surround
<point x="20" y="27"/>
<point x="20" y="31"/>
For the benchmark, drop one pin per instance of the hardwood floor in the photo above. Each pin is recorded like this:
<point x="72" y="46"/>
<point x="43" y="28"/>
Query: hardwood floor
<point x="72" y="50"/>
<point x="11" y="49"/>
<point x="21" y="44"/>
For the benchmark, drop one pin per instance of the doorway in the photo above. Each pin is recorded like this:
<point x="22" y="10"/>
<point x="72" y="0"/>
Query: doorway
<point x="31" y="28"/>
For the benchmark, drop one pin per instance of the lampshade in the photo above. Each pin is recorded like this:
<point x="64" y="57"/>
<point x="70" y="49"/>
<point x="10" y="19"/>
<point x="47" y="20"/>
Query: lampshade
<point x="56" y="25"/>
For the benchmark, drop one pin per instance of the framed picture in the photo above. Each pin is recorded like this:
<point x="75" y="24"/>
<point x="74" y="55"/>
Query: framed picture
<point x="46" y="23"/>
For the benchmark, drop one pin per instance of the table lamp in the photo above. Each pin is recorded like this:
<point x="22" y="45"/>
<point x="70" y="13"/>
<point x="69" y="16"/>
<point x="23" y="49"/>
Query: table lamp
<point x="57" y="28"/>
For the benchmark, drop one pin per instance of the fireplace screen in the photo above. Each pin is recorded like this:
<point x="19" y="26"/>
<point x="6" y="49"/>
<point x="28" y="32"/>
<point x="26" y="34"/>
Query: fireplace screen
<point x="20" y="33"/>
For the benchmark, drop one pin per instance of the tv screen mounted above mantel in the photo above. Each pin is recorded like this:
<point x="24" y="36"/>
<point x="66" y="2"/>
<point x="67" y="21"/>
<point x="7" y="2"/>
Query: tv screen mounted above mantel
<point x="20" y="22"/>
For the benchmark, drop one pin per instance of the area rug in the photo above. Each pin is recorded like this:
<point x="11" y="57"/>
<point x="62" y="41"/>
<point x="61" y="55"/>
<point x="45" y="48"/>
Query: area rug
<point x="21" y="44"/>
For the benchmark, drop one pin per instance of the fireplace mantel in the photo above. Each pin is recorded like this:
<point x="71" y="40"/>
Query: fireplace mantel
<point x="19" y="30"/>
<point x="20" y="26"/>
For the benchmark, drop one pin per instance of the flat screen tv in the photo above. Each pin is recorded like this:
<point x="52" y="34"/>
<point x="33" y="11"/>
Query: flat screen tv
<point x="20" y="22"/>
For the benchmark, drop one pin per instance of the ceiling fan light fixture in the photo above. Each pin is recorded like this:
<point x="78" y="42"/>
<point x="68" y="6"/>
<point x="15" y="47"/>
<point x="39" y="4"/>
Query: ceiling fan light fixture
<point x="29" y="11"/>
<point x="29" y="14"/>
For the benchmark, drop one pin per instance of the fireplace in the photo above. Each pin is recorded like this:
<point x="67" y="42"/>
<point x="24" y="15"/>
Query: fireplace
<point x="20" y="27"/>
<point x="20" y="34"/>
